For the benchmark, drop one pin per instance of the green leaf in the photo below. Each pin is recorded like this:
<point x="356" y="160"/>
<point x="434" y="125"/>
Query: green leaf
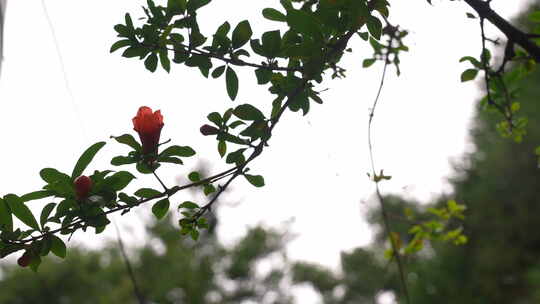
<point x="119" y="180"/>
<point x="218" y="71"/>
<point x="248" y="112"/>
<point x="181" y="151"/>
<point x="271" y="42"/>
<point x="471" y="16"/>
<point x="129" y="22"/>
<point x="304" y="23"/>
<point x="537" y="151"/>
<point x="263" y="75"/>
<point x="36" y="195"/>
<point x="86" y="158"/>
<point x="486" y="56"/>
<point x="45" y="213"/>
<point x="468" y="74"/>
<point x="45" y="246"/>
<point x="227" y="115"/>
<point x="176" y="6"/>
<point x="100" y="229"/>
<point x="215" y="117"/>
<point x="122" y="160"/>
<point x="147" y="193"/>
<point x="35" y="262"/>
<point x="209" y="188"/>
<point x="151" y="62"/>
<point x="9" y="249"/>
<point x="236" y="156"/>
<point x="274" y="15"/>
<point x="287" y="5"/>
<point x="52" y="176"/>
<point x="6" y="221"/>
<point x="368" y="62"/>
<point x="58" y="247"/>
<point x="194" y="176"/>
<point x="255" y="180"/>
<point x="231" y="138"/>
<point x="20" y="210"/>
<point x="534" y="16"/>
<point x="231" y="81"/>
<point x="186" y="225"/>
<point x="120" y="44"/>
<point x="194" y="234"/>
<point x="223" y="29"/>
<point x="364" y="36"/>
<point x="170" y="159"/>
<point x="122" y="30"/>
<point x="472" y="60"/>
<point x="241" y="34"/>
<point x="132" y="51"/>
<point x="64" y="206"/>
<point x="165" y="62"/>
<point x="202" y="223"/>
<point x="127" y="199"/>
<point x="256" y="46"/>
<point x="161" y="208"/>
<point x="127" y="139"/>
<point x="188" y="205"/>
<point x="194" y="5"/>
<point x="374" y="26"/>
<point x="222" y="148"/>
<point x="196" y="39"/>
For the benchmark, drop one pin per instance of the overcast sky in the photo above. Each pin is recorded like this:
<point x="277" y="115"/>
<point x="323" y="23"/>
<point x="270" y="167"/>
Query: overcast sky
<point x="54" y="106"/>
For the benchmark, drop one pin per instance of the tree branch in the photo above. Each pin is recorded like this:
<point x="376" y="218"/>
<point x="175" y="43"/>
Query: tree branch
<point x="512" y="33"/>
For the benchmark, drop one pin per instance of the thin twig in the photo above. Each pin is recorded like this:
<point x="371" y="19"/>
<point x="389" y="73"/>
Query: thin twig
<point x="160" y="181"/>
<point x="136" y="290"/>
<point x="235" y="61"/>
<point x="386" y="219"/>
<point x="485" y="65"/>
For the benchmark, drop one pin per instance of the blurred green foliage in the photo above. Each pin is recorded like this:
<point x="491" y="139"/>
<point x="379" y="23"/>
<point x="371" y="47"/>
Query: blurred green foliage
<point x="169" y="269"/>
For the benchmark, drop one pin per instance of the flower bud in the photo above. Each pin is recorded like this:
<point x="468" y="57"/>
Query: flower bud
<point x="209" y="130"/>
<point x="82" y="185"/>
<point x="25" y="259"/>
<point x="148" y="124"/>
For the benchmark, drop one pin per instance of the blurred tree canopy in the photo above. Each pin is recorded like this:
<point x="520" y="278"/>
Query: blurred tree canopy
<point x="169" y="269"/>
<point x="498" y="182"/>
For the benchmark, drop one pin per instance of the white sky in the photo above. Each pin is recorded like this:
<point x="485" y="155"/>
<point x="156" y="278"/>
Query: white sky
<point x="315" y="168"/>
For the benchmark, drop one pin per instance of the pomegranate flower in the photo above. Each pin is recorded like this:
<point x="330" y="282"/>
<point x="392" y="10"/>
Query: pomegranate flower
<point x="82" y="185"/>
<point x="148" y="124"/>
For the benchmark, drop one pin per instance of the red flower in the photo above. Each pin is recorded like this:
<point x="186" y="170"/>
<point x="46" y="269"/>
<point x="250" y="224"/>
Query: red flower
<point x="25" y="259"/>
<point x="148" y="125"/>
<point x="82" y="185"/>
